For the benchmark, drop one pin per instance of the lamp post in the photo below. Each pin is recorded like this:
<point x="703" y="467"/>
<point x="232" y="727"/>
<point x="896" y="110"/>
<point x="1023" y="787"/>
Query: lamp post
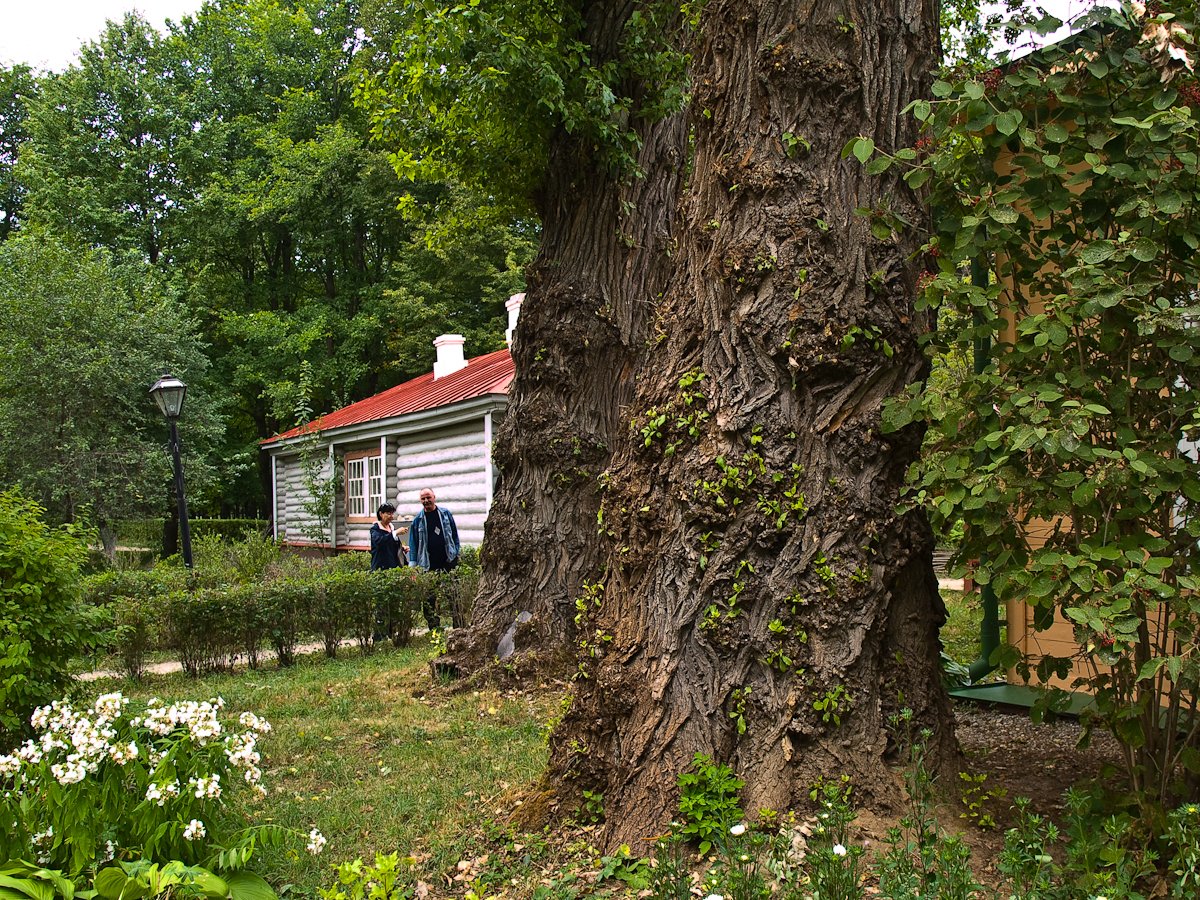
<point x="168" y="392"/>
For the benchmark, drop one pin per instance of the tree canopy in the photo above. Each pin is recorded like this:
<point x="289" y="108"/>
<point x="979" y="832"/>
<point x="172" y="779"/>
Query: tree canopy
<point x="83" y="334"/>
<point x="229" y="156"/>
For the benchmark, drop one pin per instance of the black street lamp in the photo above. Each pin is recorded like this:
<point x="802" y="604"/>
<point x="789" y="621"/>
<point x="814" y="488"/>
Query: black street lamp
<point x="168" y="392"/>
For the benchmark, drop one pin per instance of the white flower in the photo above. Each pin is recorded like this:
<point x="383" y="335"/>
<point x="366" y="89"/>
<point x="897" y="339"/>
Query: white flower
<point x="40" y="718"/>
<point x="158" y="793"/>
<point x="714" y="897"/>
<point x="109" y="706"/>
<point x="194" y="830"/>
<point x="738" y="830"/>
<point x="72" y="772"/>
<point x="254" y="723"/>
<point x="209" y="788"/>
<point x="1139" y="10"/>
<point x="839" y="850"/>
<point x="316" y="842"/>
<point x="110" y="850"/>
<point x="9" y="765"/>
<point x="123" y="753"/>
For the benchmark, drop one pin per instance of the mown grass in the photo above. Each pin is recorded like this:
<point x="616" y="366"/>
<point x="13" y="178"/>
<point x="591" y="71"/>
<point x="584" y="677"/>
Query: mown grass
<point x="366" y="751"/>
<point x="360" y="751"/>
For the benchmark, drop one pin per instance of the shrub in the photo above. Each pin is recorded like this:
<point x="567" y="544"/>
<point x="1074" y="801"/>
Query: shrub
<point x="708" y="801"/>
<point x="42" y="623"/>
<point x="201" y="627"/>
<point x="134" y="626"/>
<point x="456" y="594"/>
<point x="333" y="608"/>
<point x="100" y="783"/>
<point x="284" y="603"/>
<point x="149" y="532"/>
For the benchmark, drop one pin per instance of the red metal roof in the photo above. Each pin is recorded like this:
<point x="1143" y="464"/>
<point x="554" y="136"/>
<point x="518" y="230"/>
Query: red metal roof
<point x="487" y="374"/>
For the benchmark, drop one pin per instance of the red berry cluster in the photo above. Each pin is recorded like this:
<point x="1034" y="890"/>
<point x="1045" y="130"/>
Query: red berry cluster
<point x="992" y="79"/>
<point x="924" y="280"/>
<point x="1189" y="93"/>
<point x="925" y="144"/>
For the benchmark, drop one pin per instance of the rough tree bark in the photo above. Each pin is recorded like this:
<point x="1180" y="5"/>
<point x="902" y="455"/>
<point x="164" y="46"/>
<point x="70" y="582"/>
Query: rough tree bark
<point x="762" y="601"/>
<point x="591" y="292"/>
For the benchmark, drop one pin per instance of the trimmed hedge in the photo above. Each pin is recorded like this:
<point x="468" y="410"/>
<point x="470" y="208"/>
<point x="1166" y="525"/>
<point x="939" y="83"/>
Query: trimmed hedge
<point x="215" y="617"/>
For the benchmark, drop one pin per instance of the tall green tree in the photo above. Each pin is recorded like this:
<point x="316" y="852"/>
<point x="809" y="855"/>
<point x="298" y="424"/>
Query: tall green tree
<point x="229" y="154"/>
<point x="17" y="87"/>
<point x="697" y="501"/>
<point x="102" y="159"/>
<point x="83" y="336"/>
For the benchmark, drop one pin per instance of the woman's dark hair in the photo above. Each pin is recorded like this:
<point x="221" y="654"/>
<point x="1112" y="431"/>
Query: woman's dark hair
<point x="386" y="507"/>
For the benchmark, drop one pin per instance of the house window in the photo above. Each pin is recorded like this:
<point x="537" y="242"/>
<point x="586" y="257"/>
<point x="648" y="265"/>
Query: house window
<point x="364" y="486"/>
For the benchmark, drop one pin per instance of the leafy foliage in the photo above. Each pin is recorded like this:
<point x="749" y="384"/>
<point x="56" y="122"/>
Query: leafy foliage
<point x="83" y="335"/>
<point x="1071" y="455"/>
<point x="708" y="801"/>
<point x="472" y="91"/>
<point x="42" y="623"/>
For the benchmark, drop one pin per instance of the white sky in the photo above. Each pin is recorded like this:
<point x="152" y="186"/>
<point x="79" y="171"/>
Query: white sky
<point x="47" y="34"/>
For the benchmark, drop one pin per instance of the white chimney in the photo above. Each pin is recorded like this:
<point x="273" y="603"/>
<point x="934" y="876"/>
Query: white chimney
<point x="513" y="305"/>
<point x="449" y="354"/>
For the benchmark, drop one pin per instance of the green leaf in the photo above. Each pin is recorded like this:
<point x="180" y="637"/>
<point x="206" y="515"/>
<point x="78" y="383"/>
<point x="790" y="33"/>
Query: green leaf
<point x="111" y="882"/>
<point x="1097" y="252"/>
<point x="863" y="148"/>
<point x="1170" y="202"/>
<point x="941" y="89"/>
<point x="1005" y="215"/>
<point x="1180" y="352"/>
<point x="921" y="110"/>
<point x="249" y="886"/>
<point x="1056" y="133"/>
<point x="1150" y="668"/>
<point x="878" y="166"/>
<point x="1008" y="121"/>
<point x="1144" y="249"/>
<point x="914" y="178"/>
<point x="973" y="90"/>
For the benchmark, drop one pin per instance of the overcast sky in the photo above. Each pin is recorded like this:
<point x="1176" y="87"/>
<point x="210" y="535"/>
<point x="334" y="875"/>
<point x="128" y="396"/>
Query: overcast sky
<point x="46" y="34"/>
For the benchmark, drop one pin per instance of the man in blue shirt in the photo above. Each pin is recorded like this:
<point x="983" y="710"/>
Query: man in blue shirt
<point x="433" y="545"/>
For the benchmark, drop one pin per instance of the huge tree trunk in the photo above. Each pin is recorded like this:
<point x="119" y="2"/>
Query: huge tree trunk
<point x="762" y="601"/>
<point x="591" y="294"/>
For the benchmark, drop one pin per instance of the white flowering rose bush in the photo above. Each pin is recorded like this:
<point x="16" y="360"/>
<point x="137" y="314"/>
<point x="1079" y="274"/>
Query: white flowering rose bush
<point x="125" y="781"/>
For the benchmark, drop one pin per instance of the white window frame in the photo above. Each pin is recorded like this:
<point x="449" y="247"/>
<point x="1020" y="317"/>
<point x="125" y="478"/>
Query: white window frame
<point x="364" y="485"/>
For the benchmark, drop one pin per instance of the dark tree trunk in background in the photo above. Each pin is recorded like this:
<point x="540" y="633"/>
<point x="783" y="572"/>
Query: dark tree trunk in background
<point x="590" y="301"/>
<point x="760" y="599"/>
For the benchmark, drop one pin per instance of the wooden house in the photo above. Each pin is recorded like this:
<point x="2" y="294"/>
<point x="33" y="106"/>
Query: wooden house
<point x="434" y="431"/>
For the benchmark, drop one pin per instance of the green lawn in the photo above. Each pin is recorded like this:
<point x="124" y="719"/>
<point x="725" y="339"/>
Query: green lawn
<point x="362" y="751"/>
<point x="358" y="752"/>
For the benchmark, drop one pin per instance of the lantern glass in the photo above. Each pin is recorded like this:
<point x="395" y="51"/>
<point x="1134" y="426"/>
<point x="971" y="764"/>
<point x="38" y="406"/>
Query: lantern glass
<point x="168" y="393"/>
